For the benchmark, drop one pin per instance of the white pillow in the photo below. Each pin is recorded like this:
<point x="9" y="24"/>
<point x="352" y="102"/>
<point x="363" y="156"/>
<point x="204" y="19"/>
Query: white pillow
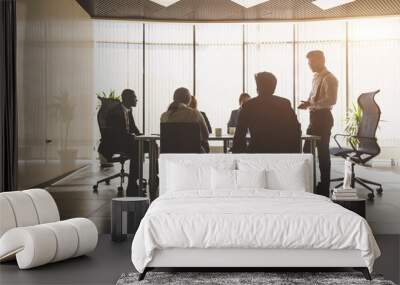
<point x="282" y="174"/>
<point x="188" y="177"/>
<point x="251" y="178"/>
<point x="291" y="178"/>
<point x="223" y="179"/>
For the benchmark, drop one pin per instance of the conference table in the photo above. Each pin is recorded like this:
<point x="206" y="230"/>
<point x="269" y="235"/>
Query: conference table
<point x="225" y="139"/>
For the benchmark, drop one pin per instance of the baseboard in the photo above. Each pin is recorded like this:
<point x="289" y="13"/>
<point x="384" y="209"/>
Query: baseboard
<point x="59" y="178"/>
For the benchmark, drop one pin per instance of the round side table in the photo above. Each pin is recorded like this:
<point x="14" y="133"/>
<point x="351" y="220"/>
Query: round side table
<point x="126" y="214"/>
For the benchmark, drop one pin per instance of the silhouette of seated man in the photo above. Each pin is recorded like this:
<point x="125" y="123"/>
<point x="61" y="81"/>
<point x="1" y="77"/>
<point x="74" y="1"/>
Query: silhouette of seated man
<point x="123" y="131"/>
<point x="270" y="120"/>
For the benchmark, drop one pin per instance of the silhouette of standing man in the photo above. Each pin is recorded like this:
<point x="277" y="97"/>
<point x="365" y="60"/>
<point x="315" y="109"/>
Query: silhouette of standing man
<point x="320" y="102"/>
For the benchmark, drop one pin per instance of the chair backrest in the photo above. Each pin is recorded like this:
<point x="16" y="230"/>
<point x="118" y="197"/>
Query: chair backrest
<point x="369" y="123"/>
<point x="26" y="208"/>
<point x="180" y="138"/>
<point x="106" y="106"/>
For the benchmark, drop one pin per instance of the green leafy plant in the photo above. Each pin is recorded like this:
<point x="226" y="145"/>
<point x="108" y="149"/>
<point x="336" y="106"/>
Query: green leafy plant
<point x="353" y="120"/>
<point x="111" y="95"/>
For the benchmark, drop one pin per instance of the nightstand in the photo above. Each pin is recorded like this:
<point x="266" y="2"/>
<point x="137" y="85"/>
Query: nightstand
<point x="355" y="205"/>
<point x="126" y="214"/>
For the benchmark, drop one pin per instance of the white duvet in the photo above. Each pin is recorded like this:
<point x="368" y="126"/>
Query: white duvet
<point x="250" y="219"/>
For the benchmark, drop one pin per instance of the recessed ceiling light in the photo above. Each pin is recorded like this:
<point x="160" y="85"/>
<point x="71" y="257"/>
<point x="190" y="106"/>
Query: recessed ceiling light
<point x="328" y="4"/>
<point x="249" y="3"/>
<point x="165" y="3"/>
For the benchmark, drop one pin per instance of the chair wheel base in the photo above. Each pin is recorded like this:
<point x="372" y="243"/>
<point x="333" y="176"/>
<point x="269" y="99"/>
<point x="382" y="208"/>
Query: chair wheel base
<point x="371" y="196"/>
<point x="379" y="190"/>
<point x="95" y="188"/>
<point x="107" y="182"/>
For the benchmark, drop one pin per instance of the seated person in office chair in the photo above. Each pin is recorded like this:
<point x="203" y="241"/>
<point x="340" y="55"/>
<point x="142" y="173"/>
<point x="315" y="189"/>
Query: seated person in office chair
<point x="193" y="105"/>
<point x="233" y="120"/>
<point x="179" y="112"/>
<point x="272" y="123"/>
<point x="123" y="130"/>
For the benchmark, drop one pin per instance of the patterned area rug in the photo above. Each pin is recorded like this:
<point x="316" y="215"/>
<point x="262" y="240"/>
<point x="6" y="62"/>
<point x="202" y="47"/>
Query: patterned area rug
<point x="253" y="278"/>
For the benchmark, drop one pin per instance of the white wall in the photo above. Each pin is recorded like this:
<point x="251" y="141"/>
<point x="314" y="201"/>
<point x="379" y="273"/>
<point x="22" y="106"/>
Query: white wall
<point x="54" y="88"/>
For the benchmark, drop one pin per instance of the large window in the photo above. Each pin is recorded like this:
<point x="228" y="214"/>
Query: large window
<point x="169" y="65"/>
<point x="270" y="48"/>
<point x="219" y="73"/>
<point x="118" y="60"/>
<point x="374" y="54"/>
<point x="217" y="62"/>
<point x="330" y="38"/>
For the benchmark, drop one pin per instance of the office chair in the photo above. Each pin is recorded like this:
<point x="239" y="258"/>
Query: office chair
<point x="105" y="141"/>
<point x="364" y="146"/>
<point x="180" y="138"/>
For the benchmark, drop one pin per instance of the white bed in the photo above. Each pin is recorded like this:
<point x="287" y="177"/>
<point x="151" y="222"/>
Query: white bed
<point x="247" y="210"/>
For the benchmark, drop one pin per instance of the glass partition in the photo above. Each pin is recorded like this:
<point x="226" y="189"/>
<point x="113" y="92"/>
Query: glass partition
<point x="217" y="62"/>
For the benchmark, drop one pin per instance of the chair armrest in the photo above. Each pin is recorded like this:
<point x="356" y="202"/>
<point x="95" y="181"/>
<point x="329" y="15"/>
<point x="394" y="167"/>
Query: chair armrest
<point x="343" y="135"/>
<point x="367" y="138"/>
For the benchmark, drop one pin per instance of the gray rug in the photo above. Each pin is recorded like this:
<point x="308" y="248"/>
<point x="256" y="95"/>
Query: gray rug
<point x="243" y="278"/>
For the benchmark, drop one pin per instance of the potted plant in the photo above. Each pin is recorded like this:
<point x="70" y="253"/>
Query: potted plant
<point x="353" y="120"/>
<point x="110" y="95"/>
<point x="64" y="110"/>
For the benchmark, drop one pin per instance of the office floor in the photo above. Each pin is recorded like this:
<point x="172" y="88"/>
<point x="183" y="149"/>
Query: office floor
<point x="75" y="198"/>
<point x="103" y="266"/>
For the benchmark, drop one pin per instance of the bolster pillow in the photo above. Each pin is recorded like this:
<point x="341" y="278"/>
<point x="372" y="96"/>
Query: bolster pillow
<point x="26" y="208"/>
<point x="40" y="244"/>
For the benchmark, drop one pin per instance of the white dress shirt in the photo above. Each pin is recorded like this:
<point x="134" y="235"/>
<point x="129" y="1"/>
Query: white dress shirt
<point x="327" y="92"/>
<point x="126" y="115"/>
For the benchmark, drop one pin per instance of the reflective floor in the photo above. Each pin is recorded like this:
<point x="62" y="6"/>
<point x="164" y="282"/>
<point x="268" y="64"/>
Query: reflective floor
<point x="75" y="198"/>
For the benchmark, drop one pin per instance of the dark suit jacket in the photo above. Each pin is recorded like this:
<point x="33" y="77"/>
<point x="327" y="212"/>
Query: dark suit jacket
<point x="207" y="122"/>
<point x="233" y="120"/>
<point x="118" y="139"/>
<point x="273" y="126"/>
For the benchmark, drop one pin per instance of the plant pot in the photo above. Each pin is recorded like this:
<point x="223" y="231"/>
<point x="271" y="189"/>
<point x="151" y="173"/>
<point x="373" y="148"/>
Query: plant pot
<point x="68" y="158"/>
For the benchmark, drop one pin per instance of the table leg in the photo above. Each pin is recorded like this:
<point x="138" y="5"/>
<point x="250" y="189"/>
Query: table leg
<point x="152" y="169"/>
<point x="225" y="145"/>
<point x="313" y="148"/>
<point x="155" y="163"/>
<point x="140" y="170"/>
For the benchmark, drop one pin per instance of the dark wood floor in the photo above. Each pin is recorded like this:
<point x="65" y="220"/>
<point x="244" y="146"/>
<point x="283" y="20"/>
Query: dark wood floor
<point x="103" y="266"/>
<point x="75" y="198"/>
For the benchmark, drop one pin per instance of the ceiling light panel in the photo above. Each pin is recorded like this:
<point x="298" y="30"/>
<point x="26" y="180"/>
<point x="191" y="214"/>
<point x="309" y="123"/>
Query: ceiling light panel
<point x="165" y="3"/>
<point x="328" y="4"/>
<point x="249" y="3"/>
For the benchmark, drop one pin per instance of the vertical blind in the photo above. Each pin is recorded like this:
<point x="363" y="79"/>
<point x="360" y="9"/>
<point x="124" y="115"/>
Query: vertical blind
<point x="270" y="48"/>
<point x="222" y="58"/>
<point x="330" y="38"/>
<point x="169" y="65"/>
<point x="118" y="60"/>
<point x="218" y="70"/>
<point x="374" y="54"/>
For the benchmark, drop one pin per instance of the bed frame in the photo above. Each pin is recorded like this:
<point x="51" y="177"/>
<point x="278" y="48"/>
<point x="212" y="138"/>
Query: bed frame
<point x="242" y="259"/>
